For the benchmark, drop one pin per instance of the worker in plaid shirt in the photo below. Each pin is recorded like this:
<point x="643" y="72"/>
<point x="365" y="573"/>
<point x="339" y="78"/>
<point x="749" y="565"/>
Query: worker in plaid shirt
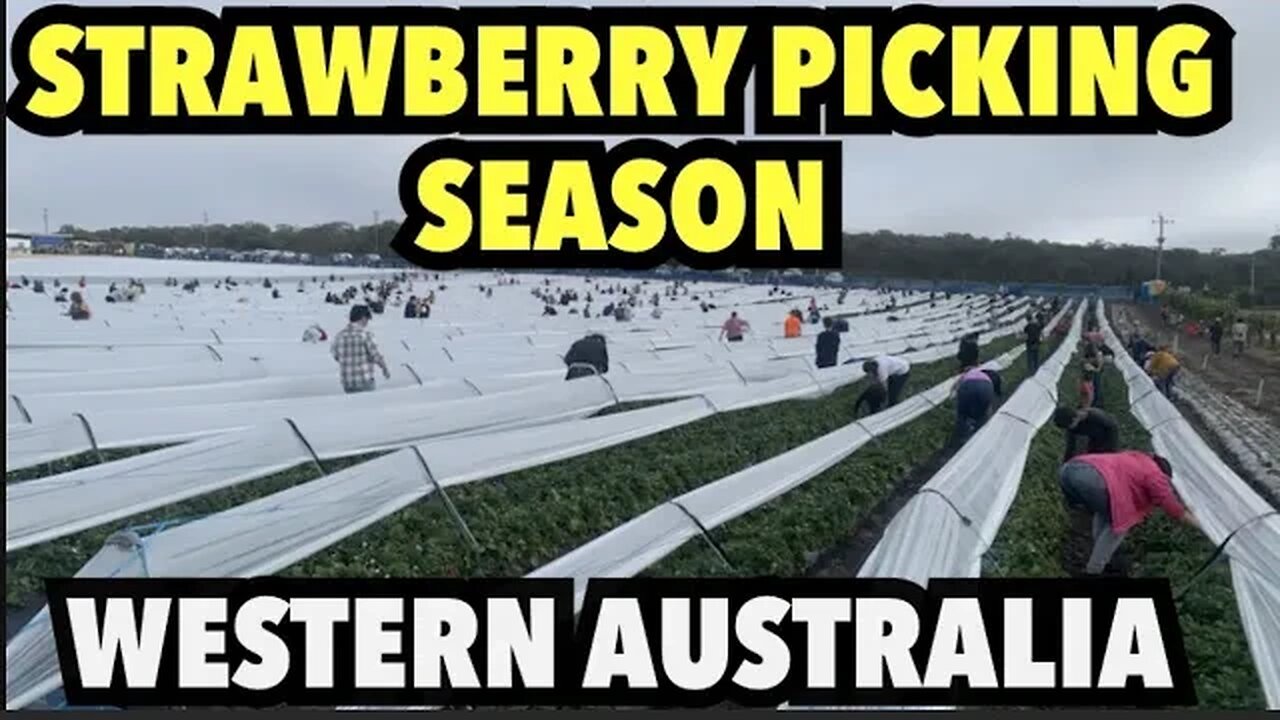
<point x="357" y="354"/>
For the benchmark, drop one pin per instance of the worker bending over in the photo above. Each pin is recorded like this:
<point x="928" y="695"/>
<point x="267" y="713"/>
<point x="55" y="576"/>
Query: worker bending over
<point x="1095" y="426"/>
<point x="1120" y="490"/>
<point x="890" y="371"/>
<point x="975" y="393"/>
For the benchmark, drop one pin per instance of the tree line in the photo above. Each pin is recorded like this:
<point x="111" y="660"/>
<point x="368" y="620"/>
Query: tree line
<point x="882" y="254"/>
<point x="965" y="257"/>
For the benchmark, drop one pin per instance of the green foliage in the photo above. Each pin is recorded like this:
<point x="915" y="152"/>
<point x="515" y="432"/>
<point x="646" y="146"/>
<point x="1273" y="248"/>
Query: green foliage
<point x="1161" y="548"/>
<point x="1033" y="538"/>
<point x="528" y="518"/>
<point x="328" y="238"/>
<point x="882" y="254"/>
<point x="964" y="257"/>
<point x="26" y="569"/>
<point x="1203" y="307"/>
<point x="75" y="462"/>
<point x="779" y="537"/>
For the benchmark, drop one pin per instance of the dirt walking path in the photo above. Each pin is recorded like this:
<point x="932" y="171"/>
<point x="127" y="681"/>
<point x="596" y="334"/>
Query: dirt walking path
<point x="1237" y="378"/>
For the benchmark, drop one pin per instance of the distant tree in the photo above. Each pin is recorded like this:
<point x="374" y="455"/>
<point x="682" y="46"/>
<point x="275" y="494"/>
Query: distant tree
<point x="883" y="253"/>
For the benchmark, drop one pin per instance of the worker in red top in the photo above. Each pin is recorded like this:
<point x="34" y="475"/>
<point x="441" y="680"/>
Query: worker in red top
<point x="733" y="328"/>
<point x="1120" y="490"/>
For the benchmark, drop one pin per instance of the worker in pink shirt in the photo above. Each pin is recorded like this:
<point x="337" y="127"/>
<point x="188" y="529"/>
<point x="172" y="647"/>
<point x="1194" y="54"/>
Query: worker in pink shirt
<point x="733" y="328"/>
<point x="1120" y="490"/>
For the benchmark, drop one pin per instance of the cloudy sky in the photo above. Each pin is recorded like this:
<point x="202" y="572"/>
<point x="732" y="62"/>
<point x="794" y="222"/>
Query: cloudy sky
<point x="1222" y="189"/>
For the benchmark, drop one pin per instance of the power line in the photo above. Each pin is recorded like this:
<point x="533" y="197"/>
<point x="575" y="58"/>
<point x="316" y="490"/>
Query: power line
<point x="1162" y="222"/>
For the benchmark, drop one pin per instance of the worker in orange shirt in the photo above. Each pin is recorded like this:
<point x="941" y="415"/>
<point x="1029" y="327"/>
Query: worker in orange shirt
<point x="791" y="326"/>
<point x="1163" y="368"/>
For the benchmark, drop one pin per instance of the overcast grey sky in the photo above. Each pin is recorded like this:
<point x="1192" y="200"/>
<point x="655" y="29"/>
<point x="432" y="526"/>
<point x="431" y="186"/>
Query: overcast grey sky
<point x="1223" y="189"/>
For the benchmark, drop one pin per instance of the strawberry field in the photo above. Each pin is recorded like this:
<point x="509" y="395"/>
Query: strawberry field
<point x="526" y="519"/>
<point x="1042" y="538"/>
<point x="572" y="492"/>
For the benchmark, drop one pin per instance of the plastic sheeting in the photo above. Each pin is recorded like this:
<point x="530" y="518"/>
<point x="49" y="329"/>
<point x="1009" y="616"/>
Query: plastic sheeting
<point x="641" y="542"/>
<point x="1225" y="506"/>
<point x="46" y="508"/>
<point x="633" y="546"/>
<point x="248" y="447"/>
<point x="309" y="517"/>
<point x="947" y="527"/>
<point x="103" y="425"/>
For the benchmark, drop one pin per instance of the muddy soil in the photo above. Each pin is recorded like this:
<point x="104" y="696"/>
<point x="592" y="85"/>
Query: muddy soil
<point x="1236" y="377"/>
<point x="1220" y="449"/>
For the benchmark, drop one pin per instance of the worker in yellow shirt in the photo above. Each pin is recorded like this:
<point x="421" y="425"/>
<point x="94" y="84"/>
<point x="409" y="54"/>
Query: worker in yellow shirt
<point x="791" y="326"/>
<point x="1162" y="368"/>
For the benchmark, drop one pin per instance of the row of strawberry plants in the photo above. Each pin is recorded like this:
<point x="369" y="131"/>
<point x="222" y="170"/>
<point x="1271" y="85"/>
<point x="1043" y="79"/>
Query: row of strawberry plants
<point x="75" y="462"/>
<point x="734" y="433"/>
<point x="26" y="569"/>
<point x="785" y="536"/>
<point x="525" y="519"/>
<point x="1039" y="534"/>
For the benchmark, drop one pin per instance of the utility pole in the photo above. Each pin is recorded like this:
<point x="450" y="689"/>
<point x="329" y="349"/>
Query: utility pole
<point x="46" y="221"/>
<point x="205" y="228"/>
<point x="377" y="231"/>
<point x="1161" y="221"/>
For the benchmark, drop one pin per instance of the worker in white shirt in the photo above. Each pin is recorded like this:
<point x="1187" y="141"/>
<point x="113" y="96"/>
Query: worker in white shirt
<point x="1239" y="336"/>
<point x="890" y="371"/>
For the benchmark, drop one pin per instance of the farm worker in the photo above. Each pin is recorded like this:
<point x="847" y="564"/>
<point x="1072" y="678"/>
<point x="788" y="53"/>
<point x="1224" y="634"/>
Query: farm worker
<point x="827" y="347"/>
<point x="588" y="356"/>
<point x="1239" y="336"/>
<point x="975" y="393"/>
<point x="1139" y="348"/>
<point x="79" y="309"/>
<point x="1088" y="368"/>
<point x="1120" y="490"/>
<point x="968" y="353"/>
<point x="1215" y="335"/>
<point x="356" y="353"/>
<point x="1162" y="368"/>
<point x="1097" y="427"/>
<point x="1031" y="334"/>
<point x="791" y="326"/>
<point x="1098" y="355"/>
<point x="890" y="371"/>
<point x="872" y="397"/>
<point x="1094" y="336"/>
<point x="733" y="328"/>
